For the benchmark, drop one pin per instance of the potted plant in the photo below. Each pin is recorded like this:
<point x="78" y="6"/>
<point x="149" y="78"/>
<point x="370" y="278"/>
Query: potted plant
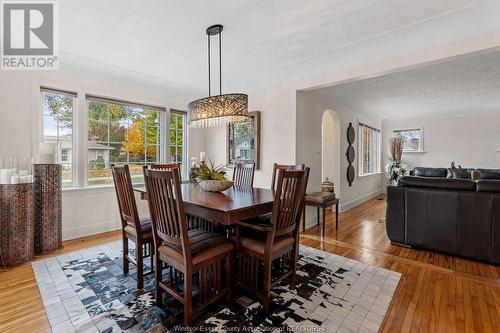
<point x="395" y="170"/>
<point x="210" y="177"/>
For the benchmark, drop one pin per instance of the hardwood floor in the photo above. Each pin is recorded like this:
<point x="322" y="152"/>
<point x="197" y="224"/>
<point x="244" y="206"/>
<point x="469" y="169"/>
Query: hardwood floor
<point x="437" y="293"/>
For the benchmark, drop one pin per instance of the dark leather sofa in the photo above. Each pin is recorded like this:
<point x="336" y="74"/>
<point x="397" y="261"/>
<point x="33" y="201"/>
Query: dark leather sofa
<point x="455" y="216"/>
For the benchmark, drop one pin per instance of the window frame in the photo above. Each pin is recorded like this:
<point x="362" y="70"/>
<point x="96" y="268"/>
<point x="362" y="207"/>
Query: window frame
<point x="161" y="127"/>
<point x="361" y="152"/>
<point x="184" y="161"/>
<point x="74" y="95"/>
<point x="421" y="138"/>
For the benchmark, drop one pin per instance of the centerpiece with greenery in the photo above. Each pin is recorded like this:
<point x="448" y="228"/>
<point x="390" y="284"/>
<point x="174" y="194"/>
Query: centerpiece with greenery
<point x="395" y="169"/>
<point x="210" y="177"/>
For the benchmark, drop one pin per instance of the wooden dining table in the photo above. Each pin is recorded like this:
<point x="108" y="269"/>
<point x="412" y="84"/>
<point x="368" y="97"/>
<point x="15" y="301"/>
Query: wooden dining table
<point x="228" y="207"/>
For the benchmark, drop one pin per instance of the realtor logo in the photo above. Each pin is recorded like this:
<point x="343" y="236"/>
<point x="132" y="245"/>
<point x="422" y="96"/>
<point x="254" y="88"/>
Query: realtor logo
<point x="29" y="36"/>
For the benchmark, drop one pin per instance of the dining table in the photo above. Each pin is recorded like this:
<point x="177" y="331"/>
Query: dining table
<point x="228" y="207"/>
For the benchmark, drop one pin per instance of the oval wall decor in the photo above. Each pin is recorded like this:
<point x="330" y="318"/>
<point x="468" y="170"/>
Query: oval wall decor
<point x="351" y="154"/>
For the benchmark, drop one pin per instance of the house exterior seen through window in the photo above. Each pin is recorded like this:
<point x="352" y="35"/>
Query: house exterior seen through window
<point x="413" y="139"/>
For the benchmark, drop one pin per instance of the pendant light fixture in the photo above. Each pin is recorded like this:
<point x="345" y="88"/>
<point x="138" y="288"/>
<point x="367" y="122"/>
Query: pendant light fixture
<point x="218" y="110"/>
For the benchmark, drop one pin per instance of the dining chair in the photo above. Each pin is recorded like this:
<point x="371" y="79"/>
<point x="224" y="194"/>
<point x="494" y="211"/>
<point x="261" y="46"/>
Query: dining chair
<point x="276" y="167"/>
<point x="167" y="166"/>
<point x="205" y="255"/>
<point x="134" y="228"/>
<point x="263" y="247"/>
<point x="243" y="174"/>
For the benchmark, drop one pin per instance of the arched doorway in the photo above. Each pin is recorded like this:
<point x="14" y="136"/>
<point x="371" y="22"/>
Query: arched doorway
<point x="330" y="148"/>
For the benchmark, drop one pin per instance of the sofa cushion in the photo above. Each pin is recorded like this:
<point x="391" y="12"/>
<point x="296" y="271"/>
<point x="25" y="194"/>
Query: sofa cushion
<point x="466" y="173"/>
<point x="438" y="183"/>
<point x="488" y="185"/>
<point x="489" y="173"/>
<point x="429" y="172"/>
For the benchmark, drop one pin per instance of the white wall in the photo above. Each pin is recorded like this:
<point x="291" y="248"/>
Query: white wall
<point x="469" y="141"/>
<point x="310" y="108"/>
<point x="85" y="211"/>
<point x="277" y="138"/>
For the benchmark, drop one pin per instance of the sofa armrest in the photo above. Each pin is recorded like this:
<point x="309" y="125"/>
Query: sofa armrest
<point x="395" y="214"/>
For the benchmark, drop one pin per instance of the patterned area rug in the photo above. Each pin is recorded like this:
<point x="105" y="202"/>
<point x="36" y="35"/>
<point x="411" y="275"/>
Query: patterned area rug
<point x="86" y="291"/>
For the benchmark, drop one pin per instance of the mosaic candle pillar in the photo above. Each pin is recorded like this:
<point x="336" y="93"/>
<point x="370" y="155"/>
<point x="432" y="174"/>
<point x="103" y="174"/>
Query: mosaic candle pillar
<point x="17" y="224"/>
<point x="48" y="210"/>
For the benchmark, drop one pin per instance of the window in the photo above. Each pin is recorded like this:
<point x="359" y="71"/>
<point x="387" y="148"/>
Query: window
<point x="413" y="139"/>
<point x="65" y="155"/>
<point x="57" y="112"/>
<point x="369" y="150"/>
<point x="121" y="133"/>
<point x="177" y="140"/>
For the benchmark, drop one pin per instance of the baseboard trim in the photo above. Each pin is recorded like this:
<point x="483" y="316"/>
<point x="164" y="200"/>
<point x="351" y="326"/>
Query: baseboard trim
<point x="89" y="230"/>
<point x="356" y="202"/>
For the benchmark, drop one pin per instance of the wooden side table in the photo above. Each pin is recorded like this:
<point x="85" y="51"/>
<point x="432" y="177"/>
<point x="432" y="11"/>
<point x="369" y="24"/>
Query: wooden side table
<point x="321" y="200"/>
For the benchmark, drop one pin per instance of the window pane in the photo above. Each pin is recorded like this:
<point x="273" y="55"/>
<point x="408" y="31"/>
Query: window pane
<point x="127" y="134"/>
<point x="370" y="149"/>
<point x="411" y="139"/>
<point x="176" y="140"/>
<point x="57" y="112"/>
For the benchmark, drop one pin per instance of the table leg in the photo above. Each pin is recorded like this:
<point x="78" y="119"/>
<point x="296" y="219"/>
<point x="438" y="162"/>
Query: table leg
<point x="337" y="215"/>
<point x="318" y="215"/>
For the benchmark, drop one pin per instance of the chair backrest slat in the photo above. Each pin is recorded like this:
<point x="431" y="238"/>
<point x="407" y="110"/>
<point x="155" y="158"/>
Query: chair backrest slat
<point x="289" y="200"/>
<point x="125" y="196"/>
<point x="168" y="166"/>
<point x="276" y="167"/>
<point x="243" y="174"/>
<point x="167" y="209"/>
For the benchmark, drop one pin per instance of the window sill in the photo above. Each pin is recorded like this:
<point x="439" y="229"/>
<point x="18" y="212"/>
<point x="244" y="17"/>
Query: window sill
<point x="370" y="174"/>
<point x="414" y="152"/>
<point x="104" y="187"/>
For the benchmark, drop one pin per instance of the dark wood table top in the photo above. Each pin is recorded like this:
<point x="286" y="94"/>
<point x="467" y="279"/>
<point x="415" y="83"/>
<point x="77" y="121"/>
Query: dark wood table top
<point x="235" y="199"/>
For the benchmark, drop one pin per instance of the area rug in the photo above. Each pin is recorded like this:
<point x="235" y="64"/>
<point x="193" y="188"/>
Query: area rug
<point x="86" y="291"/>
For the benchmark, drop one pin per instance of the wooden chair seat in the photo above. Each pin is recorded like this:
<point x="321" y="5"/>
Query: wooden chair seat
<point x="204" y="245"/>
<point x="258" y="244"/>
<point x="319" y="198"/>
<point x="146" y="228"/>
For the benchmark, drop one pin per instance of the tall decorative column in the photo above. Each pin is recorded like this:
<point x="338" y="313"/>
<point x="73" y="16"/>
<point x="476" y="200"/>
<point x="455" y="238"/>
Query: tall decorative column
<point x="17" y="224"/>
<point x="48" y="210"/>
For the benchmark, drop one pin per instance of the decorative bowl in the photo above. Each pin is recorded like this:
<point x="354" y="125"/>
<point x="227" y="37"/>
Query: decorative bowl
<point x="215" y="185"/>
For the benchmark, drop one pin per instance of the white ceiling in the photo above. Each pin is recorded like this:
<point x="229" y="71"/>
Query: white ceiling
<point x="461" y="86"/>
<point x="264" y="41"/>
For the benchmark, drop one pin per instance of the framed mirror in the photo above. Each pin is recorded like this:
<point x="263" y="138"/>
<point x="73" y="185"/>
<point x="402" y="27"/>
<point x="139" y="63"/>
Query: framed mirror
<point x="243" y="140"/>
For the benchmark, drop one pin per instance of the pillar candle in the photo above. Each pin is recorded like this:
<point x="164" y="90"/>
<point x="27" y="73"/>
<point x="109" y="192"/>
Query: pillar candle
<point x="202" y="156"/>
<point x="5" y="176"/>
<point x="14" y="179"/>
<point x="25" y="179"/>
<point x="47" y="153"/>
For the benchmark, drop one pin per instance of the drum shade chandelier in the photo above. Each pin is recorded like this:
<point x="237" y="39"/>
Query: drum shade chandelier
<point x="219" y="110"/>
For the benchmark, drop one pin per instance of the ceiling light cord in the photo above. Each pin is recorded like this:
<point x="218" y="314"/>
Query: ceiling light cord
<point x="209" y="86"/>
<point x="220" y="63"/>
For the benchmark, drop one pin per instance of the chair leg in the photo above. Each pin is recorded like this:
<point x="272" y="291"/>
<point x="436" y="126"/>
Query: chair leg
<point x="188" y="297"/>
<point x="337" y="215"/>
<point x="125" y="255"/>
<point x="266" y="293"/>
<point x="324" y="222"/>
<point x="293" y="277"/>
<point x="304" y="219"/>
<point x="140" y="265"/>
<point x="229" y="278"/>
<point x="158" y="277"/>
